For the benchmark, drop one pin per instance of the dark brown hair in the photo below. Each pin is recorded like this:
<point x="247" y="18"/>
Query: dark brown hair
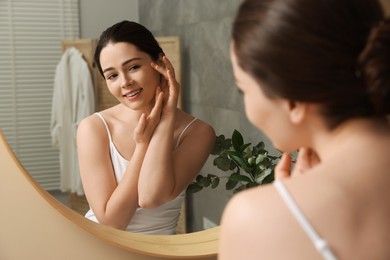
<point x="332" y="52"/>
<point x="130" y="32"/>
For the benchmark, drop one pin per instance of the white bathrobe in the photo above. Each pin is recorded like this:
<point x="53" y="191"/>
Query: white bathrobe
<point x="73" y="100"/>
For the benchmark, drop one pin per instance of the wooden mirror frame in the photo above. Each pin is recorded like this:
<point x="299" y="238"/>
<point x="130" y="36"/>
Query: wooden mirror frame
<point x="35" y="225"/>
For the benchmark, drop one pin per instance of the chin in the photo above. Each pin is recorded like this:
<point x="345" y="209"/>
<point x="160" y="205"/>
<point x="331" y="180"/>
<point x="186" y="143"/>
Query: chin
<point x="285" y="149"/>
<point x="279" y="148"/>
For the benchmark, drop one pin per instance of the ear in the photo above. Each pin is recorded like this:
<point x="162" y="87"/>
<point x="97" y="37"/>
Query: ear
<point x="297" y="111"/>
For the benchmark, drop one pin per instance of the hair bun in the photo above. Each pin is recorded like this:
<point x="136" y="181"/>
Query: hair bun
<point x="374" y="64"/>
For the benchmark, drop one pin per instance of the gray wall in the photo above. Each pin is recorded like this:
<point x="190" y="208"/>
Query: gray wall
<point x="209" y="92"/>
<point x="97" y="15"/>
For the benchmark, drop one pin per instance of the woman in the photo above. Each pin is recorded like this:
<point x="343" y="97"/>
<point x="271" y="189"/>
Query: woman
<point x="138" y="157"/>
<point x="315" y="77"/>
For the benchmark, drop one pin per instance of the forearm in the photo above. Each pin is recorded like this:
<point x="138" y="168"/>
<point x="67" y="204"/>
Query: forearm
<point x="123" y="202"/>
<point x="156" y="181"/>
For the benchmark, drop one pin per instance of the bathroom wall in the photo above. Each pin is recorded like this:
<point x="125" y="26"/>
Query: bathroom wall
<point x="97" y="15"/>
<point x="208" y="87"/>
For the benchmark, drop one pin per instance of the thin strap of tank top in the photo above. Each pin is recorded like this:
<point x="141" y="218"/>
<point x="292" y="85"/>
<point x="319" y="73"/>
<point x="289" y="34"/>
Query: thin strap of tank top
<point x="182" y="132"/>
<point x="104" y="122"/>
<point x="320" y="244"/>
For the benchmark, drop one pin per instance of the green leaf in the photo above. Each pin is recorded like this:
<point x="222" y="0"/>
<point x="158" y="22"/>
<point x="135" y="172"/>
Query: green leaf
<point x="235" y="177"/>
<point x="231" y="184"/>
<point x="268" y="179"/>
<point x="214" y="182"/>
<point x="193" y="188"/>
<point x="260" y="158"/>
<point x="233" y="156"/>
<point x="237" y="140"/>
<point x="239" y="161"/>
<point x="222" y="163"/>
<point x="227" y="144"/>
<point x="240" y="188"/>
<point x="252" y="160"/>
<point x="218" y="145"/>
<point x="259" y="178"/>
<point x="259" y="148"/>
<point x="221" y="144"/>
<point x="233" y="166"/>
<point x="267" y="171"/>
<point x="251" y="184"/>
<point x="232" y="152"/>
<point x="204" y="182"/>
<point x="247" y="150"/>
<point x="275" y="161"/>
<point x="256" y="171"/>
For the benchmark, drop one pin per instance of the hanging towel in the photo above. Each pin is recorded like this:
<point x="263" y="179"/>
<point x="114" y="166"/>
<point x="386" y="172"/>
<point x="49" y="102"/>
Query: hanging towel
<point x="73" y="100"/>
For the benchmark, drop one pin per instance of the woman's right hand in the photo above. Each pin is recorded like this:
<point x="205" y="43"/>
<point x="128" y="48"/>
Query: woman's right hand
<point x="306" y="160"/>
<point x="147" y="124"/>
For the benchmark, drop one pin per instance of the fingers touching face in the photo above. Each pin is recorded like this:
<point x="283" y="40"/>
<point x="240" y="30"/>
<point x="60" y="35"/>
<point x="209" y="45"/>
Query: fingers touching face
<point x="163" y="66"/>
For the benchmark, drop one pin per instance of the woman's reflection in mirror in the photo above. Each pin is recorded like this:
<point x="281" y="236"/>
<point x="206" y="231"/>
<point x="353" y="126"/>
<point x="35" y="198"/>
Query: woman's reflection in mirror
<point x="138" y="157"/>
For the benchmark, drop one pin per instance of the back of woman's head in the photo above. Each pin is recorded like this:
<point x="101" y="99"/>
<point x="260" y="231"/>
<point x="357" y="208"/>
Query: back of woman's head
<point x="130" y="32"/>
<point x="332" y="52"/>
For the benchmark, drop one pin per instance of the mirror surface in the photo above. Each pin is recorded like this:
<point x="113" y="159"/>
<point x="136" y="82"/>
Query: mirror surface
<point x="204" y="30"/>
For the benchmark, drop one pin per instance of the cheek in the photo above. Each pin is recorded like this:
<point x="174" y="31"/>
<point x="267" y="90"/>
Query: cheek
<point x="268" y="119"/>
<point x="282" y="133"/>
<point x="151" y="80"/>
<point x="113" y="87"/>
<point x="253" y="110"/>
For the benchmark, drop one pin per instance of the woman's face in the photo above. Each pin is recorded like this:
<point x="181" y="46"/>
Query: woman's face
<point x="267" y="114"/>
<point x="129" y="75"/>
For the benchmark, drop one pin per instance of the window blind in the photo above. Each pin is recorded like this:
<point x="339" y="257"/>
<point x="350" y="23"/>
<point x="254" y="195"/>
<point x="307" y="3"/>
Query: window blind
<point x="30" y="49"/>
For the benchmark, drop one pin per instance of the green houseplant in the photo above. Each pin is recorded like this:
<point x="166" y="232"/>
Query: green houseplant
<point x="247" y="166"/>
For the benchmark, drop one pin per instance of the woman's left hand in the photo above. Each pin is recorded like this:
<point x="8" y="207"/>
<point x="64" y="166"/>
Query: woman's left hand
<point x="148" y="123"/>
<point x="169" y="86"/>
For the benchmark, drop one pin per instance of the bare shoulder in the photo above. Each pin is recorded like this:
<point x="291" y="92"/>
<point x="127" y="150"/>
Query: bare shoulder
<point x="91" y="127"/>
<point x="249" y="222"/>
<point x="247" y="201"/>
<point x="205" y="130"/>
<point x="257" y="224"/>
<point x="93" y="124"/>
<point x="199" y="129"/>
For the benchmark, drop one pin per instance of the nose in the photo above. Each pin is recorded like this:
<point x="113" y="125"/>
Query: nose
<point x="126" y="81"/>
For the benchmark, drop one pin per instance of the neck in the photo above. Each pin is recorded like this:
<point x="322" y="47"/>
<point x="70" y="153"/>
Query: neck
<point x="132" y="114"/>
<point x="329" y="143"/>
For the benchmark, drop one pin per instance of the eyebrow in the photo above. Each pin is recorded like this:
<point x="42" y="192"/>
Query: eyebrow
<point x="123" y="64"/>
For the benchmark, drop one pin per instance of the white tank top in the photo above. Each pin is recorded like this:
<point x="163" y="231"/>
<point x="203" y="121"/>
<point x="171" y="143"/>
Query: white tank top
<point x="158" y="221"/>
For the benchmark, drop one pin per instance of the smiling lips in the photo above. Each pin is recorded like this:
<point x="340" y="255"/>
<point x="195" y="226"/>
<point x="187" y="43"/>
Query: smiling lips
<point x="133" y="94"/>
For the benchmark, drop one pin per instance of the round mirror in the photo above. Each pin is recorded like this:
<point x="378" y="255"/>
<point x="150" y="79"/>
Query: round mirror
<point x="36" y="224"/>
